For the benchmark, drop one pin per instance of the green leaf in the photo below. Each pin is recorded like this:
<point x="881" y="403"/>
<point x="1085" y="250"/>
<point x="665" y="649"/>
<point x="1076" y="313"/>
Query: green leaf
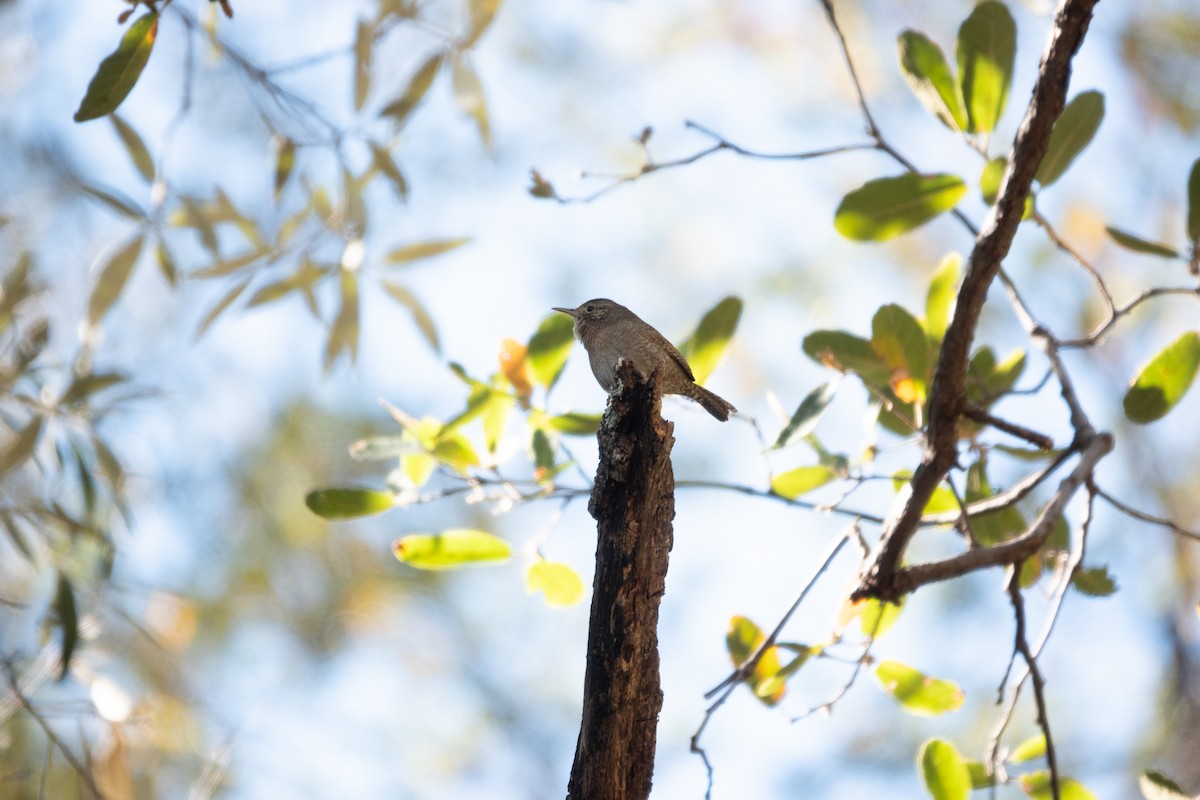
<point x="420" y="315"/>
<point x="1139" y="245"/>
<point x="21" y="448"/>
<point x="903" y="346"/>
<point x="876" y="617"/>
<point x="929" y="76"/>
<point x="385" y="165"/>
<point x="988" y="380"/>
<point x="943" y="770"/>
<point x="995" y="526"/>
<point x="111" y="279"/>
<point x="549" y="347"/>
<point x="364" y="40"/>
<point x="887" y="207"/>
<point x="1162" y="382"/>
<point x="704" y="348"/>
<point x="941" y="501"/>
<point x="1073" y="131"/>
<point x="741" y="640"/>
<point x="980" y="779"/>
<point x="427" y="249"/>
<point x="450" y="549"/>
<point x="1156" y="786"/>
<point x="1094" y="582"/>
<point x="400" y="108"/>
<point x="119" y="72"/>
<point x="575" y="423"/>
<point x="846" y="352"/>
<point x="989" y="184"/>
<point x="987" y="42"/>
<point x="1028" y="750"/>
<point x="798" y="481"/>
<point x="807" y="415"/>
<point x="560" y="584"/>
<point x="543" y="452"/>
<point x="939" y="301"/>
<point x="68" y="619"/>
<point x="285" y="162"/>
<point x="1037" y="786"/>
<point x="348" y="503"/>
<point x="343" y="334"/>
<point x="917" y="692"/>
<point x="135" y="147"/>
<point x="1193" y="203"/>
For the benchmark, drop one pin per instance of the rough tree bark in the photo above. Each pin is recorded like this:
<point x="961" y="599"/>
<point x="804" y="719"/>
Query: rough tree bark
<point x="633" y="502"/>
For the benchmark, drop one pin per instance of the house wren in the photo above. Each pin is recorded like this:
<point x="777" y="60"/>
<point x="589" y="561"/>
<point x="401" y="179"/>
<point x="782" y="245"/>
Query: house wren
<point x="610" y="331"/>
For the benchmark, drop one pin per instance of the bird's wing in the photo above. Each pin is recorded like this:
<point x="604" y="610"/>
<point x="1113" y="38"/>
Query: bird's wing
<point x="658" y="339"/>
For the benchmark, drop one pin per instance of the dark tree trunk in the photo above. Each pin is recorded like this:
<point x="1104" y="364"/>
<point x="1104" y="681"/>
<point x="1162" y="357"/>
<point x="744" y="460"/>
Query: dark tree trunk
<point x="633" y="502"/>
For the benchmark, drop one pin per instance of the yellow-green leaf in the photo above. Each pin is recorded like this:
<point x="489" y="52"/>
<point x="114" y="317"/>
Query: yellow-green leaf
<point x="1156" y="786"/>
<point x="887" y="207"/>
<point x="364" y="40"/>
<point x="450" y="549"/>
<point x="560" y="584"/>
<point x="877" y="617"/>
<point x="119" y="72"/>
<point x="929" y="76"/>
<point x="575" y="423"/>
<point x="939" y="301"/>
<point x="1163" y="381"/>
<point x="1072" y="132"/>
<point x="903" y="346"/>
<point x="845" y="352"/>
<point x="987" y="42"/>
<point x="549" y="347"/>
<point x="1193" y="204"/>
<point x="741" y="640"/>
<point x="1028" y="750"/>
<point x="1094" y="582"/>
<point x="704" y="348"/>
<point x="348" y="503"/>
<point x="917" y="692"/>
<point x="219" y="308"/>
<point x="135" y="147"/>
<point x="426" y="249"/>
<point x="111" y="279"/>
<point x="285" y="162"/>
<point x="1037" y="786"/>
<point x="798" y="481"/>
<point x="807" y="415"/>
<point x="943" y="770"/>
<point x="1139" y="245"/>
<point x="400" y="108"/>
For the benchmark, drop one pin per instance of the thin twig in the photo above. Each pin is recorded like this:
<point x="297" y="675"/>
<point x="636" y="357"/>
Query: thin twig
<point x="983" y="416"/>
<point x="1130" y="511"/>
<point x="1101" y="331"/>
<point x="1021" y="644"/>
<point x="1070" y="250"/>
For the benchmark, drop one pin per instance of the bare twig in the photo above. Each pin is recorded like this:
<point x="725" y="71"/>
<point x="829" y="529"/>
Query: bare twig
<point x="1021" y="645"/>
<point x="983" y="416"/>
<point x="1070" y="250"/>
<point x="1115" y="315"/>
<point x="1130" y="511"/>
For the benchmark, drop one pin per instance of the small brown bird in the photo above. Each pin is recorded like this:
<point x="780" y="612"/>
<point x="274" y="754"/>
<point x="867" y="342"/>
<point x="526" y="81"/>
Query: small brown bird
<point x="610" y="331"/>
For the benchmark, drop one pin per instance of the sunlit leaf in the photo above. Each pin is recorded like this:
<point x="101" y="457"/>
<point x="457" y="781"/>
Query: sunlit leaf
<point x="940" y="502"/>
<point x="68" y="620"/>
<point x="917" y="692"/>
<point x="902" y="345"/>
<point x="575" y="424"/>
<point x="798" y="481"/>
<point x="929" y="76"/>
<point x="1028" y="750"/>
<point x="560" y="584"/>
<point x="400" y="108"/>
<point x="943" y="770"/>
<point x="348" y="503"/>
<point x="543" y="453"/>
<point x="1156" y="786"/>
<point x="450" y="549"/>
<point x="514" y="366"/>
<point x="549" y="347"/>
<point x="1094" y="582"/>
<point x="343" y="334"/>
<point x="876" y="617"/>
<point x="939" y="301"/>
<point x="111" y="279"/>
<point x="845" y="352"/>
<point x="1037" y="786"/>
<point x="468" y="94"/>
<point x="989" y="184"/>
<point x="119" y="72"/>
<point x="364" y="40"/>
<point x="980" y="779"/>
<point x="1073" y="131"/>
<point x="135" y="147"/>
<point x="1139" y="245"/>
<point x="21" y="448"/>
<point x="887" y="207"/>
<point x="807" y="415"/>
<point x="741" y="640"/>
<point x="704" y="348"/>
<point x="987" y="380"/>
<point x="426" y="249"/>
<point x="455" y="451"/>
<point x="1162" y="382"/>
<point x="987" y="43"/>
<point x="495" y="416"/>
<point x="420" y="315"/>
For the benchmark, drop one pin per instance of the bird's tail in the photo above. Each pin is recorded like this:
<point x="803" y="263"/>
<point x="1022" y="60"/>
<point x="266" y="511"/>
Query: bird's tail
<point x="714" y="404"/>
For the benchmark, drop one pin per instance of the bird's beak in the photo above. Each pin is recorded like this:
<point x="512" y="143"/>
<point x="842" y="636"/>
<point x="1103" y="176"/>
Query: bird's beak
<point x="570" y="312"/>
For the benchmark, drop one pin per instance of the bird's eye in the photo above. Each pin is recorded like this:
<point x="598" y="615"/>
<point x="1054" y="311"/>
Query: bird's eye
<point x="590" y="309"/>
